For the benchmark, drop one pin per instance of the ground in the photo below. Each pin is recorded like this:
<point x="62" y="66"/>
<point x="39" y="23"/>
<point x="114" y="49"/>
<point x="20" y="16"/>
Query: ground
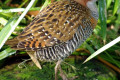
<point x="92" y="70"/>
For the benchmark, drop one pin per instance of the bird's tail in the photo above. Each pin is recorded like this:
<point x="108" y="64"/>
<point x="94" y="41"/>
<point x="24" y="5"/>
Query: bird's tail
<point x="12" y="43"/>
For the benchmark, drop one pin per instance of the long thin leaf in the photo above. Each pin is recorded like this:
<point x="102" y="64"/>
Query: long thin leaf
<point x="89" y="48"/>
<point x="18" y="10"/>
<point x="6" y="31"/>
<point x="108" y="3"/>
<point x="7" y="52"/>
<point x="102" y="16"/>
<point x="3" y="21"/>
<point x="45" y="4"/>
<point x="116" y="5"/>
<point x="111" y="58"/>
<point x="103" y="48"/>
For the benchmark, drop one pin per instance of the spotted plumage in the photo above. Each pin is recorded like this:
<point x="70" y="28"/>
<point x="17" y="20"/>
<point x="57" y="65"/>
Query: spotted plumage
<point x="57" y="30"/>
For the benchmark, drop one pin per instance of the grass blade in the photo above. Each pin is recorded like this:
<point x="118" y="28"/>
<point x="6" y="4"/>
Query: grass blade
<point x="103" y="48"/>
<point x="6" y="31"/>
<point x="108" y="3"/>
<point x="102" y="17"/>
<point x="45" y="4"/>
<point x="5" y="54"/>
<point x="116" y="5"/>
<point x="3" y="21"/>
<point x="18" y="10"/>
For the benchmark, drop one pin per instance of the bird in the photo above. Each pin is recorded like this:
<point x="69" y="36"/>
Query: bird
<point x="57" y="31"/>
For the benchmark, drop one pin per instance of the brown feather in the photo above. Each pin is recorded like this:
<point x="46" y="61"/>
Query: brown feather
<point x="12" y="43"/>
<point x="55" y="24"/>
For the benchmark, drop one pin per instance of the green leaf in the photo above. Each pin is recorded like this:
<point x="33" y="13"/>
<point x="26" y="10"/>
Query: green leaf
<point x="23" y="3"/>
<point x="102" y="17"/>
<point x="108" y="3"/>
<point x="89" y="48"/>
<point x="116" y="5"/>
<point x="114" y="61"/>
<point x="6" y="31"/>
<point x="7" y="52"/>
<point x="7" y="1"/>
<point x="102" y="49"/>
<point x="5" y="11"/>
<point x="3" y="21"/>
<point x="45" y="4"/>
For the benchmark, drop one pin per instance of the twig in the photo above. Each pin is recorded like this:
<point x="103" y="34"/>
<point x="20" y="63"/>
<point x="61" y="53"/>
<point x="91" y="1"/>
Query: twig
<point x="22" y="63"/>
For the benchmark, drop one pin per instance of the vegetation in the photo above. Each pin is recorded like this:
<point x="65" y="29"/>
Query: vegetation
<point x="107" y="29"/>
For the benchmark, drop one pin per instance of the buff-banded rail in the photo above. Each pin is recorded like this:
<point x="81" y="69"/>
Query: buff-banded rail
<point x="57" y="31"/>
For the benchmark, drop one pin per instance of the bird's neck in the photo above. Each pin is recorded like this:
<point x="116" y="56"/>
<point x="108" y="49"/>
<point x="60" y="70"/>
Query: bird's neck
<point x="82" y="2"/>
<point x="91" y="4"/>
<point x="94" y="11"/>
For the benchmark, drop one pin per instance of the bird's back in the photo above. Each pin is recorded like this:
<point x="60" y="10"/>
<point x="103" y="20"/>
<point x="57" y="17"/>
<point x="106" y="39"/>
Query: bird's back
<point x="57" y="30"/>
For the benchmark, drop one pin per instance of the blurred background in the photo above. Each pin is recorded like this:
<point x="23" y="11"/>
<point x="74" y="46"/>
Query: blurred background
<point x="14" y="65"/>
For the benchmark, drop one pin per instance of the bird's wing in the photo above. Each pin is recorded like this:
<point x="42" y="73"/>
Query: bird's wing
<point x="54" y="24"/>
